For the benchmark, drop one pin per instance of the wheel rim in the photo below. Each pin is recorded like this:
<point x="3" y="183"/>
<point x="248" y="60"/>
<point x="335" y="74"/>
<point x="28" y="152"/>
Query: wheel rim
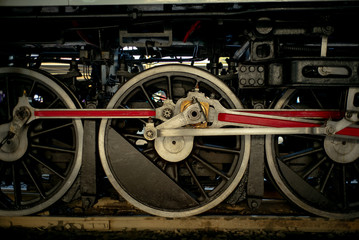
<point x="319" y="174"/>
<point x="49" y="165"/>
<point x="175" y="188"/>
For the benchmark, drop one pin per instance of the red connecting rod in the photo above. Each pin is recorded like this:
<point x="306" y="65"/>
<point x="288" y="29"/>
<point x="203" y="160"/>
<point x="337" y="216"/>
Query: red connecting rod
<point x="290" y="122"/>
<point x="95" y="113"/>
<point x="261" y="118"/>
<point x="144" y="113"/>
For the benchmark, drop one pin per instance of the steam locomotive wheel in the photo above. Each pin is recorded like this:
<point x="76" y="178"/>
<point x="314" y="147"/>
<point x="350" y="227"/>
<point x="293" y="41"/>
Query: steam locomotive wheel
<point x="39" y="165"/>
<point x="178" y="176"/>
<point x="319" y="174"/>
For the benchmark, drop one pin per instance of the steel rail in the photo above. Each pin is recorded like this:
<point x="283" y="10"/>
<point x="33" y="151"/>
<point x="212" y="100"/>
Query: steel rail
<point x="198" y="223"/>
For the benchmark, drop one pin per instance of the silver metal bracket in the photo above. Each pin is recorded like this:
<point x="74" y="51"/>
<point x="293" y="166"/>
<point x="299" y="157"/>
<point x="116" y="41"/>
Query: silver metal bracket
<point x="352" y="113"/>
<point x="22" y="113"/>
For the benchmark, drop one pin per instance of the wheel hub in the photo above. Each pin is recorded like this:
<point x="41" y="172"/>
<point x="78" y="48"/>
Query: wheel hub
<point x="167" y="113"/>
<point x="341" y="150"/>
<point x="174" y="149"/>
<point x="14" y="148"/>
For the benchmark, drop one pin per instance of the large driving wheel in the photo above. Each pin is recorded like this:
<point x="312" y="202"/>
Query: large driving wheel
<point x="171" y="177"/>
<point x="319" y="174"/>
<point x="38" y="166"/>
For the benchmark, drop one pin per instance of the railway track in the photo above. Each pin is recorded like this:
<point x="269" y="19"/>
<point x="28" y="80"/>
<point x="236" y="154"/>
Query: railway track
<point x="199" y="227"/>
<point x="275" y="217"/>
<point x="198" y="223"/>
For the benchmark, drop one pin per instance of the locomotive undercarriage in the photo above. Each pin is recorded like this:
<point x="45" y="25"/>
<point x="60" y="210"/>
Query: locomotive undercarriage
<point x="176" y="140"/>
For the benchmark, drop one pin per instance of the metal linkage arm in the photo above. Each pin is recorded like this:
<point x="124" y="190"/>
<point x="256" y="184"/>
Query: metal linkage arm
<point x="93" y="113"/>
<point x="237" y="122"/>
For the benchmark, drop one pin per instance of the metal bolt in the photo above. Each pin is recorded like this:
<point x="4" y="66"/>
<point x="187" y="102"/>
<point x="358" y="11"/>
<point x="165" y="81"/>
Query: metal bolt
<point x="167" y="113"/>
<point x="251" y="190"/>
<point x="22" y="113"/>
<point x="260" y="69"/>
<point x="348" y="114"/>
<point x="243" y="69"/>
<point x="149" y="134"/>
<point x="330" y="130"/>
<point x="254" y="204"/>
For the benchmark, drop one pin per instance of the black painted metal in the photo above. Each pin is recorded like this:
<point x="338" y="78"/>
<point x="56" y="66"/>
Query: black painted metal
<point x="88" y="169"/>
<point x="255" y="186"/>
<point x="142" y="178"/>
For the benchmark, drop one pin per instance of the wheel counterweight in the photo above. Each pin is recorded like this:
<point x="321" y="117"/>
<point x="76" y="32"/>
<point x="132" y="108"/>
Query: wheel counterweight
<point x="171" y="177"/>
<point x="38" y="165"/>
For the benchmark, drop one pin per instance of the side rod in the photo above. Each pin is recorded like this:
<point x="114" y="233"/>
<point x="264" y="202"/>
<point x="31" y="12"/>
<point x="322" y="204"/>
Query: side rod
<point x="259" y="122"/>
<point x="146" y="113"/>
<point x="93" y="113"/>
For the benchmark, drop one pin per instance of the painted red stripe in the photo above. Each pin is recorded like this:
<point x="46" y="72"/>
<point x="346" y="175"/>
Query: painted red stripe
<point x="258" y="121"/>
<point x="349" y="131"/>
<point x="95" y="113"/>
<point x="262" y="121"/>
<point x="302" y="114"/>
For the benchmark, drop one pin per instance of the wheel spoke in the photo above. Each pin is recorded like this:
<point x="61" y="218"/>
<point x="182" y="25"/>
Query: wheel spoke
<point x="53" y="103"/>
<point x="315" y="166"/>
<point x="5" y="201"/>
<point x="344" y="187"/>
<point x="327" y="176"/>
<point x="169" y="85"/>
<point x="217" y="149"/>
<point x="316" y="99"/>
<point x="164" y="166"/>
<point x="299" y="154"/>
<point x="32" y="88"/>
<point x="148" y="97"/>
<point x="156" y="159"/>
<point x="34" y="180"/>
<point x="135" y="136"/>
<point x="148" y="150"/>
<point x="47" y="165"/>
<point x="16" y="184"/>
<point x="36" y="134"/>
<point x="309" y="137"/>
<point x="210" y="167"/>
<point x="57" y="149"/>
<point x="289" y="106"/>
<point x="175" y="172"/>
<point x="195" y="179"/>
<point x="302" y="186"/>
